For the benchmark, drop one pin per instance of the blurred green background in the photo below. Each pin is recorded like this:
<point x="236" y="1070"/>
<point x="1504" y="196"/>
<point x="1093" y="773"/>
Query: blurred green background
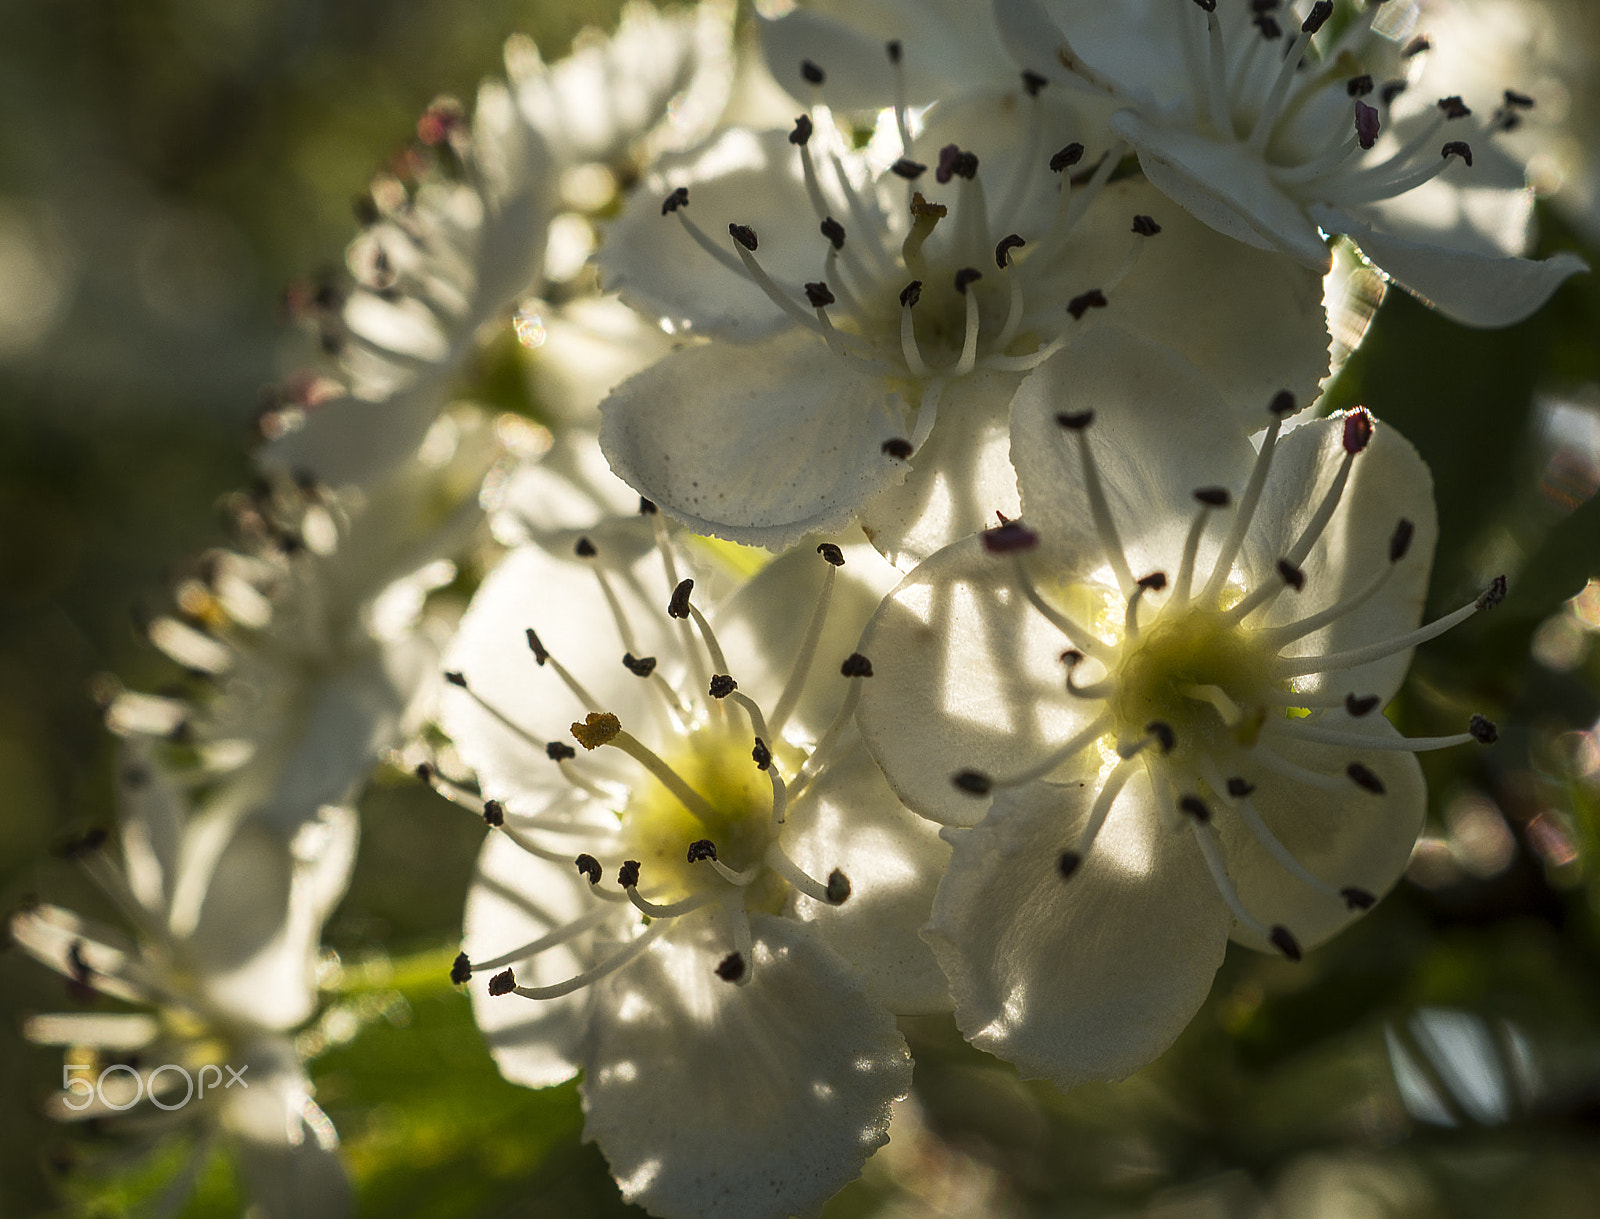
<point x="167" y="166"/>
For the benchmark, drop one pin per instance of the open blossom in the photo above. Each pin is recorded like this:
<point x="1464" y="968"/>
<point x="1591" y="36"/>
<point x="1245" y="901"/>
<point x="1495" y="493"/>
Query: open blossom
<point x="225" y="923"/>
<point x="869" y="313"/>
<point x="1151" y="715"/>
<point x="1213" y="97"/>
<point x="698" y="890"/>
<point x="1541" y="50"/>
<point x="306" y="648"/>
<point x="487" y="208"/>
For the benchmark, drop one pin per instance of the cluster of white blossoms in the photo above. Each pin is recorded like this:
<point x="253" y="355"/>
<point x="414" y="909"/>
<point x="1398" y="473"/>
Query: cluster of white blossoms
<point x="936" y="586"/>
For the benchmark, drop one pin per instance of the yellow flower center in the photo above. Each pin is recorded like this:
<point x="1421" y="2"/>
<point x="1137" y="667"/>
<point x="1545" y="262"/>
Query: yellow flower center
<point x="659" y="828"/>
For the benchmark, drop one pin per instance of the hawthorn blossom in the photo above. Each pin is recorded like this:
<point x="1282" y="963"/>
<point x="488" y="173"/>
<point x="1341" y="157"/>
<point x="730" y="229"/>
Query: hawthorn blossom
<point x="442" y="254"/>
<point x="307" y="652"/>
<point x="486" y="211"/>
<point x="1539" y="51"/>
<point x="217" y="971"/>
<point x="1151" y="714"/>
<point x="869" y="313"/>
<point x="1213" y="97"/>
<point x="697" y="891"/>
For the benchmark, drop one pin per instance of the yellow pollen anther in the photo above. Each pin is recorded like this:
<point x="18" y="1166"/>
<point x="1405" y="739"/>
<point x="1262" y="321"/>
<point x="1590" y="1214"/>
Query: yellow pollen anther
<point x="598" y="728"/>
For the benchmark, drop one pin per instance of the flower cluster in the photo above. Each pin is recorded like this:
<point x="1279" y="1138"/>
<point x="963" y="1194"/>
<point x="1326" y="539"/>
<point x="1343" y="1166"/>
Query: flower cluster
<point x="933" y="584"/>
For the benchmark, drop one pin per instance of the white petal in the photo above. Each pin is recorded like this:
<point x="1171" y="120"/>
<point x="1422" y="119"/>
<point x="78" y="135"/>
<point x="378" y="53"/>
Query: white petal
<point x="524" y="704"/>
<point x="350" y="439"/>
<point x="1465" y="285"/>
<point x="251" y="946"/>
<point x="759" y="444"/>
<point x="894" y="861"/>
<point x="741" y="178"/>
<point x="562" y="495"/>
<point x="716" y="1101"/>
<point x="515" y="899"/>
<point x="352" y="717"/>
<point x="959" y="480"/>
<point x="590" y="347"/>
<point x="1252" y="321"/>
<point x="762" y="625"/>
<point x="947" y="46"/>
<point x="118" y="1031"/>
<point x="660" y="78"/>
<point x="151" y="812"/>
<point x="965" y="675"/>
<point x="60" y="939"/>
<point x="1388" y="483"/>
<point x="1129" y="45"/>
<point x="286" y="1144"/>
<point x="1224" y="185"/>
<point x="1160" y="431"/>
<point x="1345" y="838"/>
<point x="1089" y="977"/>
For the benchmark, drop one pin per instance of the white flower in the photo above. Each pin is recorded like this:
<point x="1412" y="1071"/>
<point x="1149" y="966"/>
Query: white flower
<point x="451" y="251"/>
<point x="1170" y="681"/>
<point x="1540" y="51"/>
<point x="306" y="645"/>
<point x="441" y="257"/>
<point x="1225" y="122"/>
<point x="870" y="314"/>
<point x="226" y="920"/>
<point x="710" y="900"/>
<point x="655" y="85"/>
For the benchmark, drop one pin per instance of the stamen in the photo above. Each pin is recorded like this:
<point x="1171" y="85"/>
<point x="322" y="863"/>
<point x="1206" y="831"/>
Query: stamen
<point x="927" y="415"/>
<point x="1080" y="638"/>
<point x="505" y="983"/>
<point x="1332" y="662"/>
<point x="977" y="783"/>
<point x="969" y="341"/>
<point x="718" y="660"/>
<point x="808" y="645"/>
<point x="1267" y="760"/>
<point x="1357" y="434"/>
<point x="909" y="296"/>
<point x="1217" y="78"/>
<point x="699" y="235"/>
<point x="1099" y="509"/>
<point x="855" y="666"/>
<point x="677" y="607"/>
<point x="1069" y="861"/>
<point x="743" y="957"/>
<point x="671" y="910"/>
<point x="1232" y="714"/>
<point x="1364" y="778"/>
<point x="692" y="800"/>
<point x="901" y="111"/>
<point x="1237" y="792"/>
<point x="1283" y="404"/>
<point x="1304" y="730"/>
<point x="745" y="243"/>
<point x="1278" y="935"/>
<point x="1272" y="108"/>
<point x="1154" y="582"/>
<point x="533" y="948"/>
<point x="542" y="657"/>
<point x="833" y="893"/>
<point x="1208" y="498"/>
<point x="1278" y="637"/>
